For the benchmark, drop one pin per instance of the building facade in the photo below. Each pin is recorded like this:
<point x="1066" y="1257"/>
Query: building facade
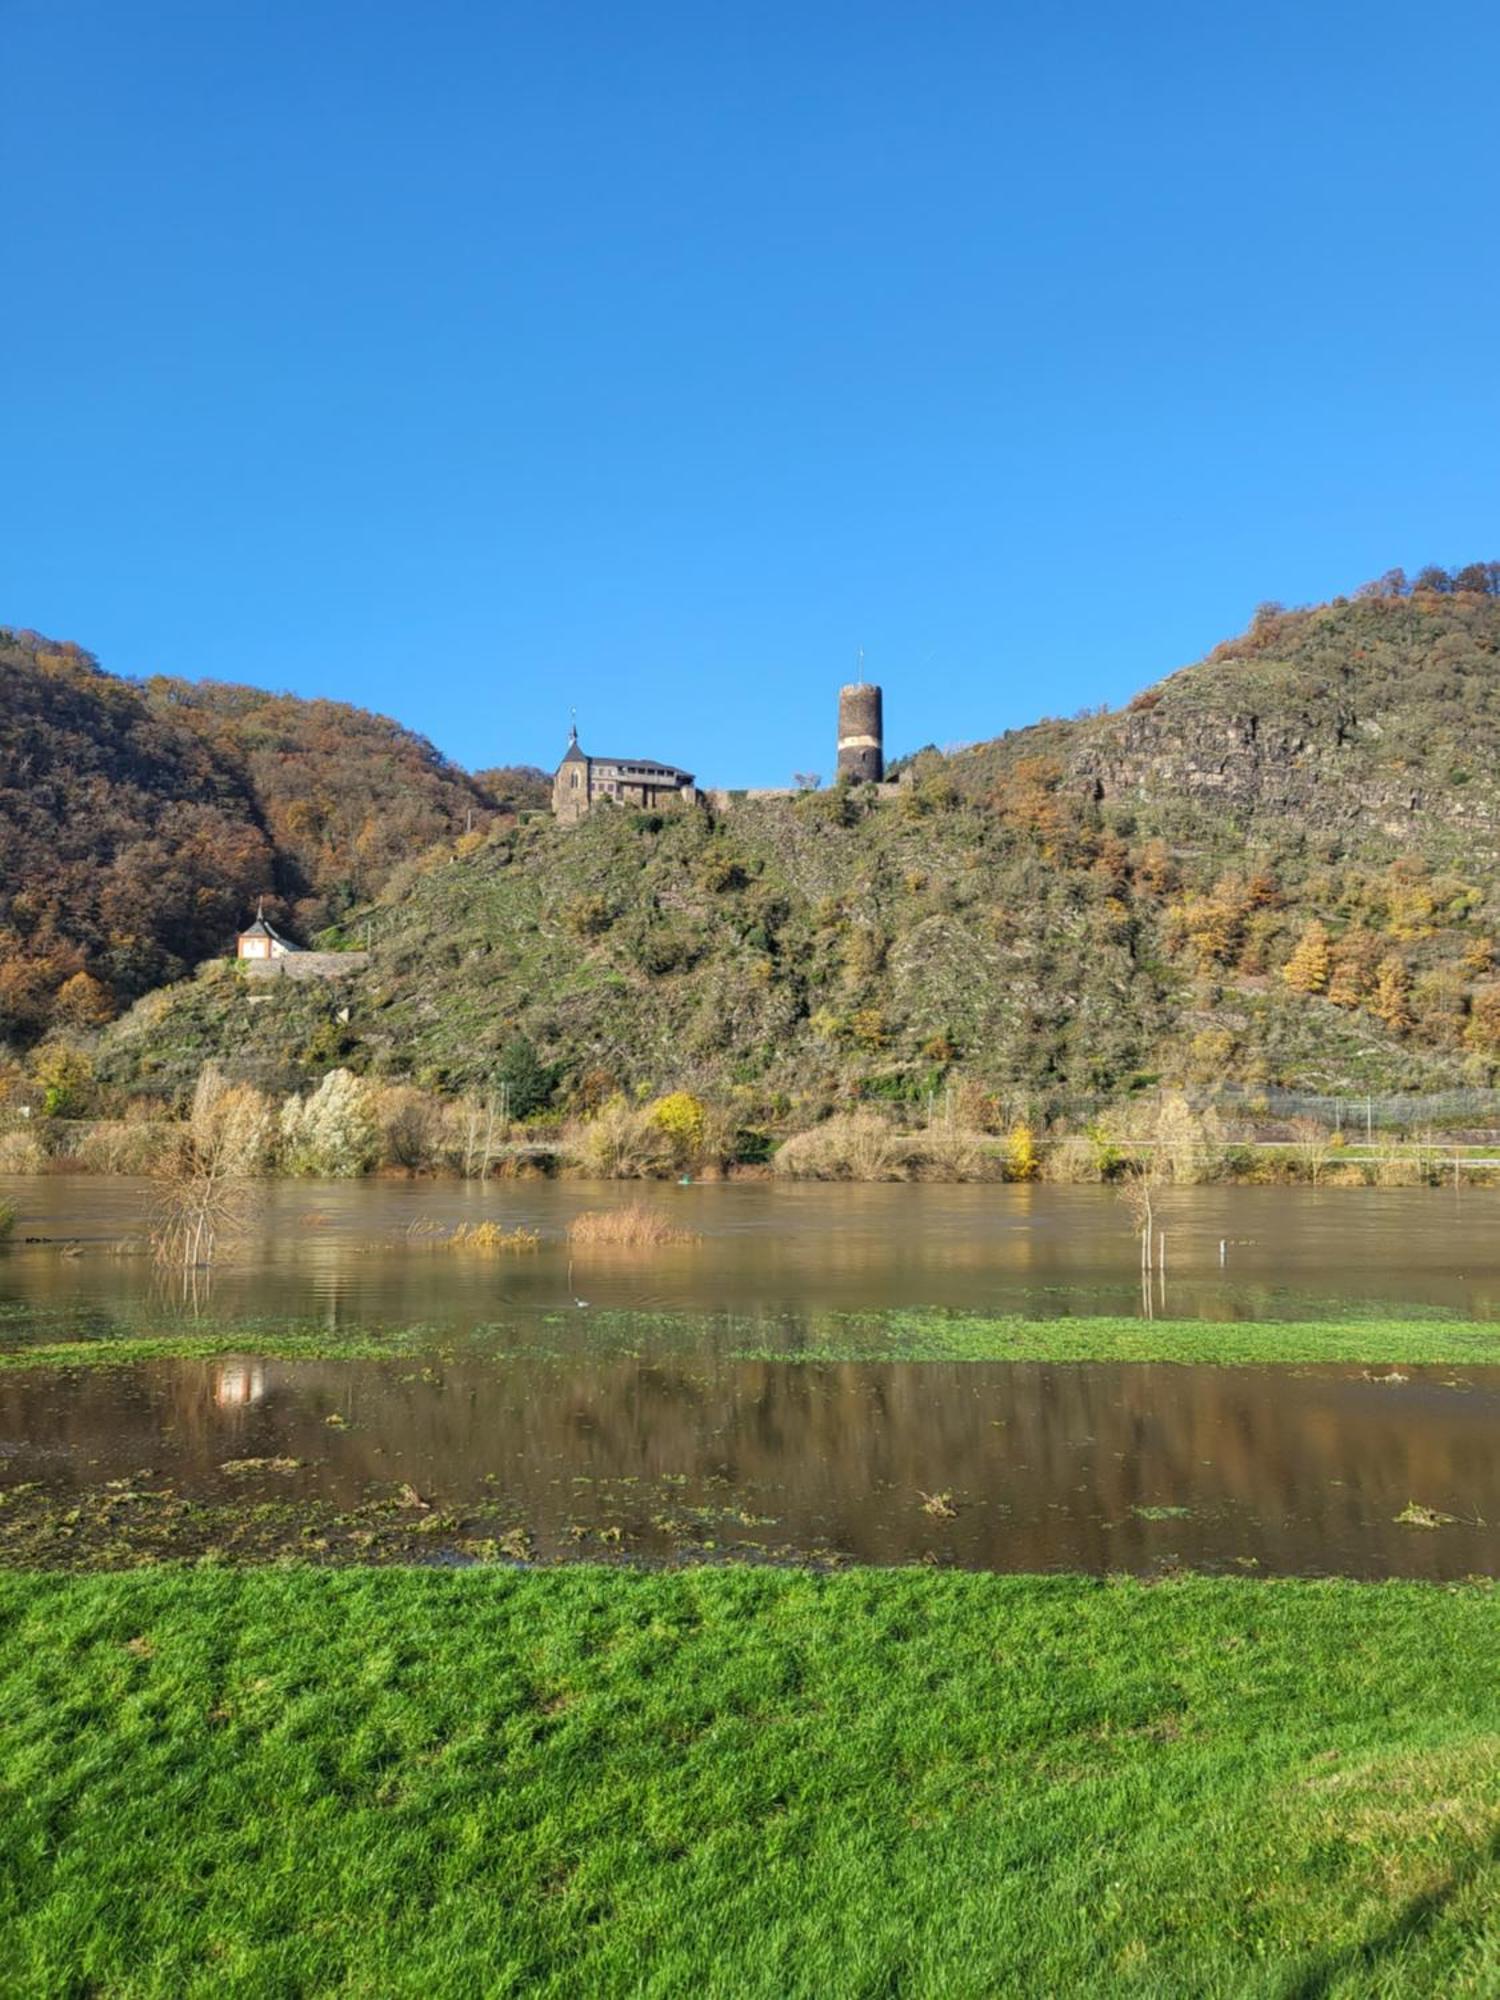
<point x="263" y="940"/>
<point x="582" y="782"/>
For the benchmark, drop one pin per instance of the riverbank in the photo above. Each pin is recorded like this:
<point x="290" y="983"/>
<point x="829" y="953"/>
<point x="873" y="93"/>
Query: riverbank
<point x="746" y="1782"/>
<point x="353" y="1128"/>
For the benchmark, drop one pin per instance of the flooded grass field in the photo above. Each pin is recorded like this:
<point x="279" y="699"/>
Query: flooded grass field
<point x="659" y="1406"/>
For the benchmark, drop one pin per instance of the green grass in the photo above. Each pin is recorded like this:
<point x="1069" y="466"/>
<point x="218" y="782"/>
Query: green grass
<point x="928" y="1336"/>
<point x="745" y="1783"/>
<point x="819" y="1337"/>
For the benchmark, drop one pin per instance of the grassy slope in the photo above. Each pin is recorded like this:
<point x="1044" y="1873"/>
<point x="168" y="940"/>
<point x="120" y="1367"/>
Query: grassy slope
<point x="744" y="1784"/>
<point x="790" y="957"/>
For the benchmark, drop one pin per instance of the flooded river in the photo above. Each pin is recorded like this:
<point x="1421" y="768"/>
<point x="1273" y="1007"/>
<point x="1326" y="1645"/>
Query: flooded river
<point x="359" y="1251"/>
<point x="546" y="1440"/>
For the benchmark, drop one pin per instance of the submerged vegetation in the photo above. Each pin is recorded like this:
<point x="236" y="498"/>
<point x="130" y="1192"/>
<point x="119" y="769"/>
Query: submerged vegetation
<point x="492" y="1238"/>
<point x="635" y="1225"/>
<point x="808" y="1338"/>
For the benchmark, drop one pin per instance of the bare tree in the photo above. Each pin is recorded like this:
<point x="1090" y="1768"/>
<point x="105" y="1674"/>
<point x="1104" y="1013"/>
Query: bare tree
<point x="205" y="1177"/>
<point x="1139" y="1191"/>
<point x="1312" y="1143"/>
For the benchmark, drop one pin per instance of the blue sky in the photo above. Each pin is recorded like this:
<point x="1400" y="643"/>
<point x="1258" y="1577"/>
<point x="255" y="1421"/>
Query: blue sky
<point x="475" y="362"/>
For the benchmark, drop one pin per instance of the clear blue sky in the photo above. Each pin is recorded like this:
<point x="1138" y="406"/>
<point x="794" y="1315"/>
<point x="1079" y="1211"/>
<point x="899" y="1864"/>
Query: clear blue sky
<point x="474" y="361"/>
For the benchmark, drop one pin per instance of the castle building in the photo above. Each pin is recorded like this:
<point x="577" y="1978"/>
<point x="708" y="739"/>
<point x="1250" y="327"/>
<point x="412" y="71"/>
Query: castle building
<point x="582" y="782"/>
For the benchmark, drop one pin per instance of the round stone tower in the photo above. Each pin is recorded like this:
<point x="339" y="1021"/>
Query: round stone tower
<point x="861" y="733"/>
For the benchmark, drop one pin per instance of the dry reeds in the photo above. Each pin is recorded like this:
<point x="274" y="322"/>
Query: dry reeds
<point x="950" y="1153"/>
<point x="620" y="1142"/>
<point x="635" y="1225"/>
<point x="492" y="1239"/>
<point x="120" y="1146"/>
<point x="21" y="1152"/>
<point x="851" y="1146"/>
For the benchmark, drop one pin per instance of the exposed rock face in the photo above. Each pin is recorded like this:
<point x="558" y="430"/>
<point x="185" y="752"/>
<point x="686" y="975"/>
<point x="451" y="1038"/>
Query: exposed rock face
<point x="1383" y="716"/>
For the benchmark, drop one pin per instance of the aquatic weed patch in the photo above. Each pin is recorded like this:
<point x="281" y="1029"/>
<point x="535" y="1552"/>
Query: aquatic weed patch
<point x="938" y="1336"/>
<point x="820" y="1337"/>
<point x="416" y="1782"/>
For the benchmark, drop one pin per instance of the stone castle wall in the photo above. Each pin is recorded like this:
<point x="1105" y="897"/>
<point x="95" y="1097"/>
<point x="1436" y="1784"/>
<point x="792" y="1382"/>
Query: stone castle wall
<point x="306" y="965"/>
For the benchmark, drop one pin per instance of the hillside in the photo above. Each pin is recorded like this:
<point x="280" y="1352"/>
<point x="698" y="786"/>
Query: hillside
<point x="1277" y="866"/>
<point x="140" y="821"/>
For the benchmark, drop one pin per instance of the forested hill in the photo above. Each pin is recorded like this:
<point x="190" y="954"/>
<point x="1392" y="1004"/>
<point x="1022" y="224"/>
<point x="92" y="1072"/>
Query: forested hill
<point x="139" y="821"/>
<point x="1277" y="866"/>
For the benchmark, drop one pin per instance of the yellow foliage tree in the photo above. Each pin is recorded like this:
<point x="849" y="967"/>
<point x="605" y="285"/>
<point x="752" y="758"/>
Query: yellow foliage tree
<point x="1392" y="1002"/>
<point x="1020" y="1153"/>
<point x="62" y="1074"/>
<point x="1306" y="971"/>
<point x="683" y="1120"/>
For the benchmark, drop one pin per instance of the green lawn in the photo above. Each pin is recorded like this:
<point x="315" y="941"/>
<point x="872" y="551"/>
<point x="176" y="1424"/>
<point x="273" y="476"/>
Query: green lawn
<point x="745" y="1783"/>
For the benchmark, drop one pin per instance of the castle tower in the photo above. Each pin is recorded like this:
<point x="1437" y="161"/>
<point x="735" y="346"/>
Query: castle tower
<point x="861" y="733"/>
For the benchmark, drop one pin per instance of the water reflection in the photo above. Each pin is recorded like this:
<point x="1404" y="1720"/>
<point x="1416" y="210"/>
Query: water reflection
<point x="353" y="1253"/>
<point x="1096" y="1468"/>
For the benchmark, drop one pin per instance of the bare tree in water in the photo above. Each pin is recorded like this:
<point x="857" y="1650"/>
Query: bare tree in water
<point x="205" y="1178"/>
<point x="1140" y="1190"/>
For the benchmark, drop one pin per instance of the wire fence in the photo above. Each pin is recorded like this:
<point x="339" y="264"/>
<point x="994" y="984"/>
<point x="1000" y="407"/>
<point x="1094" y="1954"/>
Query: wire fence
<point x="1353" y="1113"/>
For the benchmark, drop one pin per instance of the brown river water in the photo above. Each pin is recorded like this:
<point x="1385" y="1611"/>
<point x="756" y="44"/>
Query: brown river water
<point x="675" y="1449"/>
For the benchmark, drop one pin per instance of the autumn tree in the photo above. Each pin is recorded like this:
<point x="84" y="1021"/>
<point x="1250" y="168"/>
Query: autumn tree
<point x="83" y="1002"/>
<point x="1353" y="960"/>
<point x="1155" y="870"/>
<point x="1307" y="970"/>
<point x="1483" y="1031"/>
<point x="1392" y="1002"/>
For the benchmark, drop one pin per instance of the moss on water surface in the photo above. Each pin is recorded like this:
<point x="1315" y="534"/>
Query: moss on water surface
<point x="48" y="1341"/>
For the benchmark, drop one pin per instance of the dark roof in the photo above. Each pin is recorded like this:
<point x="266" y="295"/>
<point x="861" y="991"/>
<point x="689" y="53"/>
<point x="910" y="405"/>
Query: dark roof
<point x="260" y="928"/>
<point x="648" y="764"/>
